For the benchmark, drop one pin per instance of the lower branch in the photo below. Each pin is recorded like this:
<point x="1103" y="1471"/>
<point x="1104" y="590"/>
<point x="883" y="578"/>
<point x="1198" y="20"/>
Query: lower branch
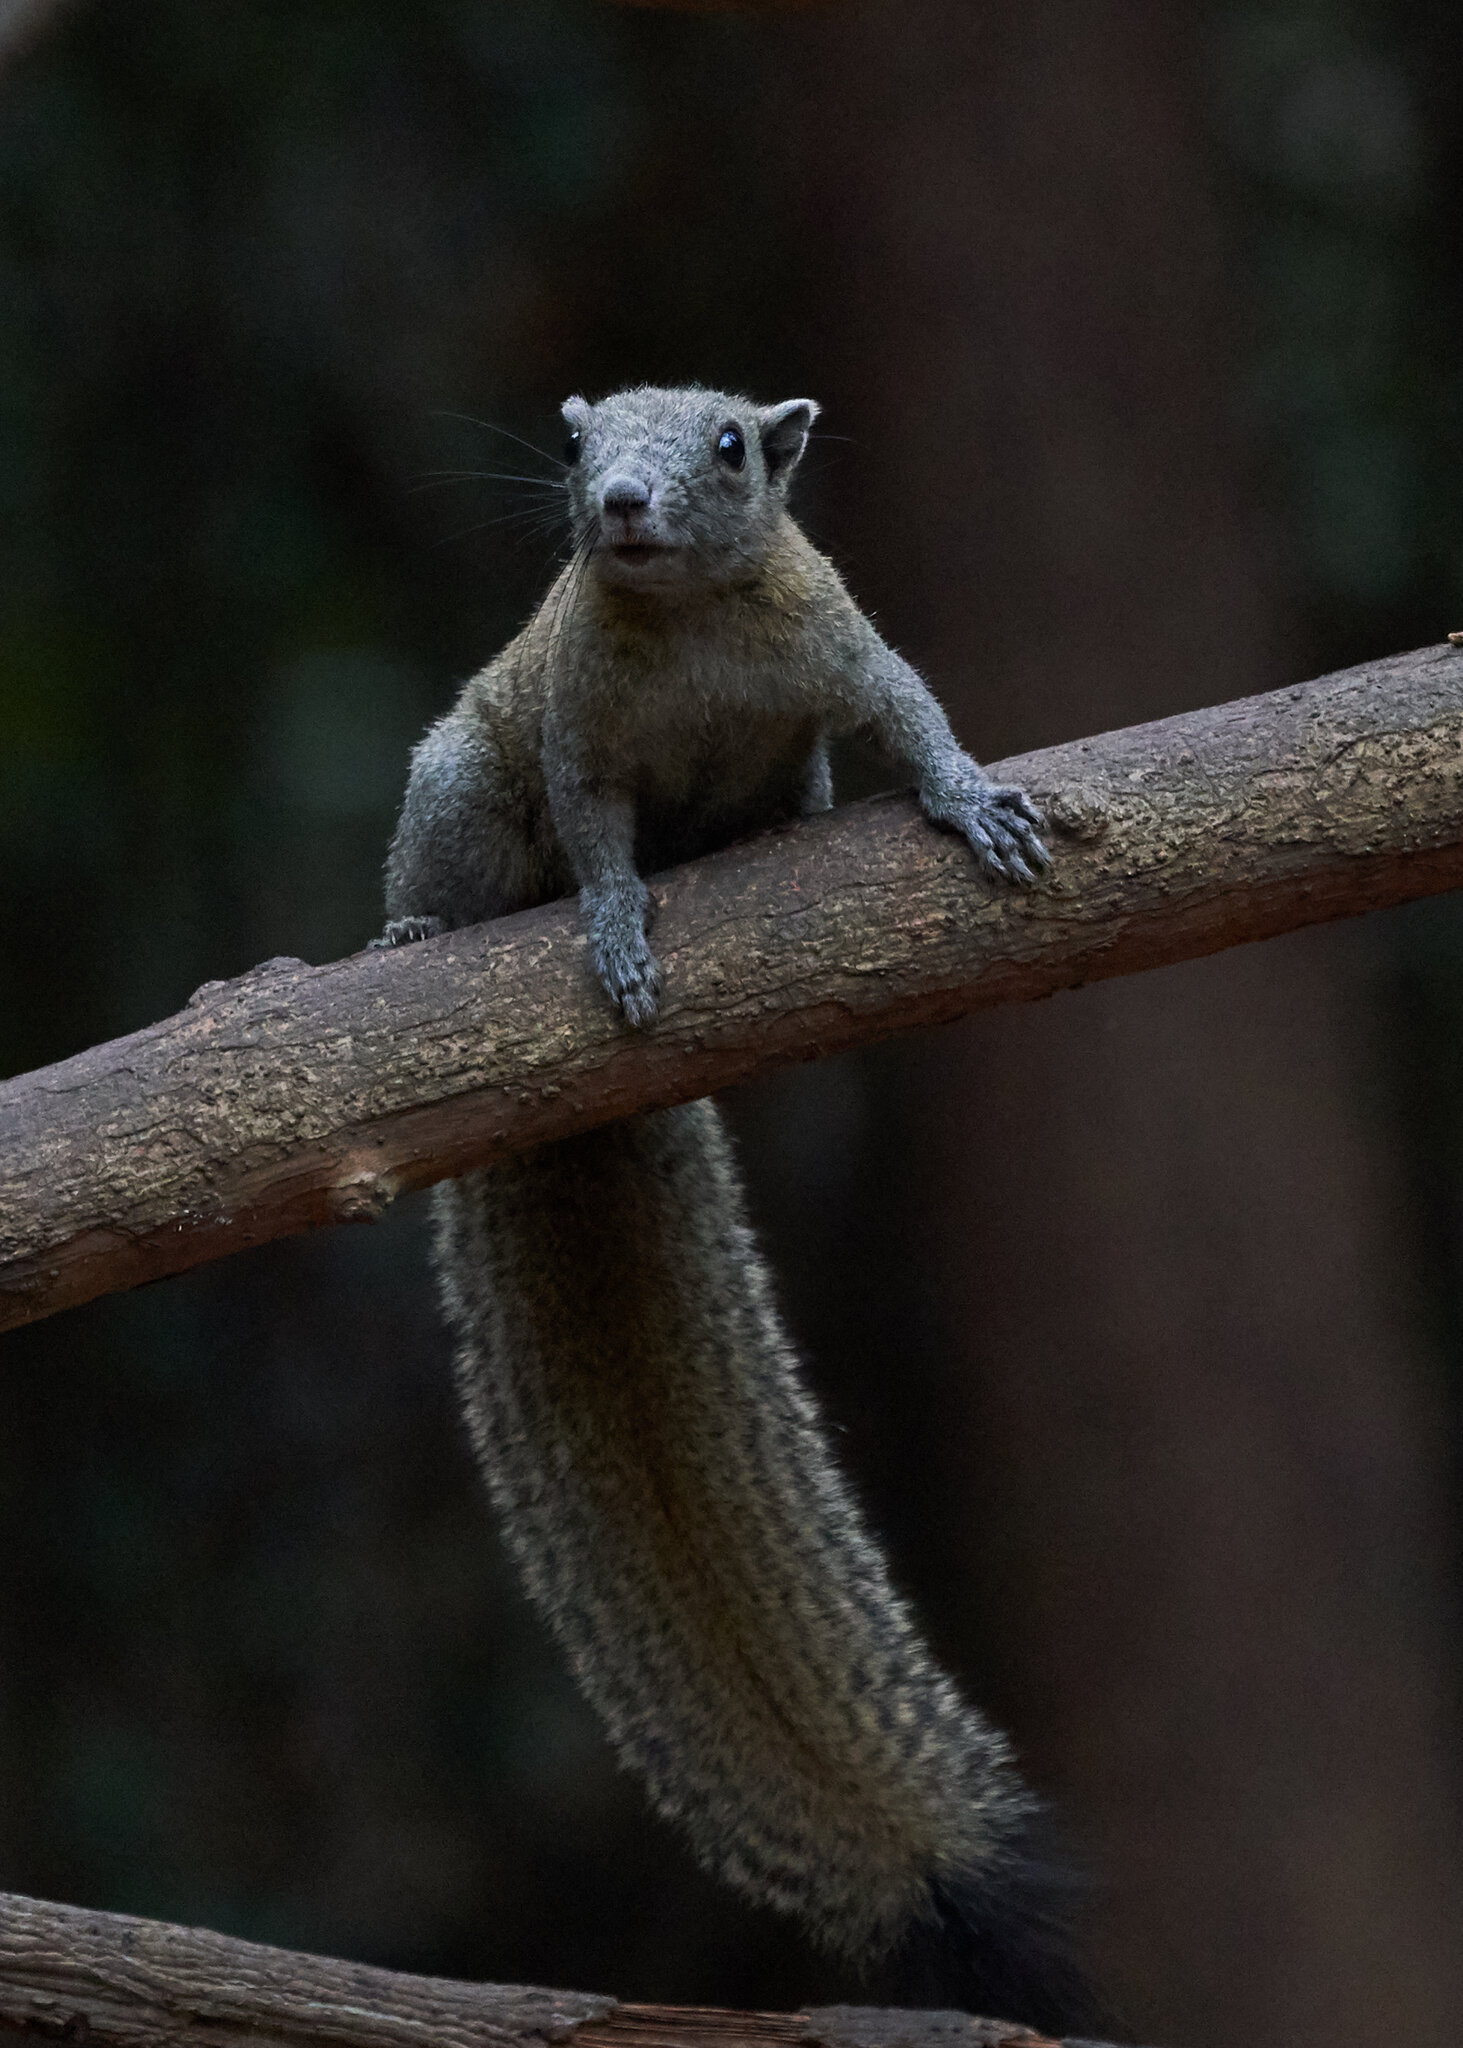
<point x="111" y="1981"/>
<point x="298" y="1096"/>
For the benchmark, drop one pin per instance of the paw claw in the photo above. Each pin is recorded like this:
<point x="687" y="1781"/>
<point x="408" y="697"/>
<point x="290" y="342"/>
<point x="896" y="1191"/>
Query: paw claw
<point x="405" y="931"/>
<point x="639" y="1007"/>
<point x="1000" y="822"/>
<point x="630" y="974"/>
<point x="628" y="971"/>
<point x="634" y="988"/>
<point x="1011" y="797"/>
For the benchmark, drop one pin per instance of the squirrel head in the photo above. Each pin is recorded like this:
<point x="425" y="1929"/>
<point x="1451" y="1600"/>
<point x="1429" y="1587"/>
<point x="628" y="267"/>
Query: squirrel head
<point x="674" y="490"/>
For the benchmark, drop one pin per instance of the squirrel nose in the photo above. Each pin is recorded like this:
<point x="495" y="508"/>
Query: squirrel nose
<point x="624" y="494"/>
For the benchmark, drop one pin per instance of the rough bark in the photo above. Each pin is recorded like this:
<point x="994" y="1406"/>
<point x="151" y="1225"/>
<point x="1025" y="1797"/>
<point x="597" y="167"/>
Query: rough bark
<point x="120" y="1982"/>
<point x="298" y="1096"/>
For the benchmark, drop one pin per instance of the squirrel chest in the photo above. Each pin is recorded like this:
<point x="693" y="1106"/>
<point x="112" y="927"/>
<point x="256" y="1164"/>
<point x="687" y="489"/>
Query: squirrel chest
<point x="705" y="718"/>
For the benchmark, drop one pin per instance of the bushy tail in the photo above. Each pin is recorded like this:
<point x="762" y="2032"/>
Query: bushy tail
<point x="997" y="1940"/>
<point x="665" y="1485"/>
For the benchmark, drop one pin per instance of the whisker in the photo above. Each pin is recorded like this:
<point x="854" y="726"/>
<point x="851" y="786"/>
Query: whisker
<point x="438" y="481"/>
<point x="498" y="476"/>
<point x="531" y="534"/>
<point x="534" y="519"/>
<point x="532" y="526"/>
<point x="446" y="539"/>
<point x="566" y="595"/>
<point x="488" y="427"/>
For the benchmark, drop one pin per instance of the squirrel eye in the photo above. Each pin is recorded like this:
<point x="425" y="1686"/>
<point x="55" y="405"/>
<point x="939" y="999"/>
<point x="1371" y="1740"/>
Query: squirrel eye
<point x="571" y="446"/>
<point x="731" y="448"/>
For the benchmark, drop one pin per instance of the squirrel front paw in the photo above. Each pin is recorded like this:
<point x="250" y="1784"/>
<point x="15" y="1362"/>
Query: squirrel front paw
<point x="631" y="974"/>
<point x="404" y="931"/>
<point x="999" y="820"/>
<point x="627" y="968"/>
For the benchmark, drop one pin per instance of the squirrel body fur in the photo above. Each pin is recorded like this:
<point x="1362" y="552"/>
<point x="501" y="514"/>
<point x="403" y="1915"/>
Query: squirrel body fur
<point x="635" y="1402"/>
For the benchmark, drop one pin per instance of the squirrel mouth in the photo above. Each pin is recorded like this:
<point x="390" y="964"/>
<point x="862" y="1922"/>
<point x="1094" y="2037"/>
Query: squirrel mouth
<point x="637" y="550"/>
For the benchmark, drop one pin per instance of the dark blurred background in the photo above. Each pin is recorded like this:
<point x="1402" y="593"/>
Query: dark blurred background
<point x="1139" y="329"/>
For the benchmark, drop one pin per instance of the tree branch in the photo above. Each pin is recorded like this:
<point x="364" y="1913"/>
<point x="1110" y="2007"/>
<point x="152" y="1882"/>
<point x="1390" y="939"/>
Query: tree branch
<point x="298" y="1096"/>
<point x="113" y="1981"/>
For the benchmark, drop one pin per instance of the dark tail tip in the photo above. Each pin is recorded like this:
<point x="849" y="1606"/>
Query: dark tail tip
<point x="996" y="1942"/>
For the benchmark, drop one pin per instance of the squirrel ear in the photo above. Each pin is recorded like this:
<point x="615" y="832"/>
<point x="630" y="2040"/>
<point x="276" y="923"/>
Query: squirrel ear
<point x="784" y="431"/>
<point x="576" y="413"/>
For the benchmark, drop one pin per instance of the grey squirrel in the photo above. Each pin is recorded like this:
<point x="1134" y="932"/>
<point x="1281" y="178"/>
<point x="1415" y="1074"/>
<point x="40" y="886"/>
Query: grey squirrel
<point x="635" y="1402"/>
